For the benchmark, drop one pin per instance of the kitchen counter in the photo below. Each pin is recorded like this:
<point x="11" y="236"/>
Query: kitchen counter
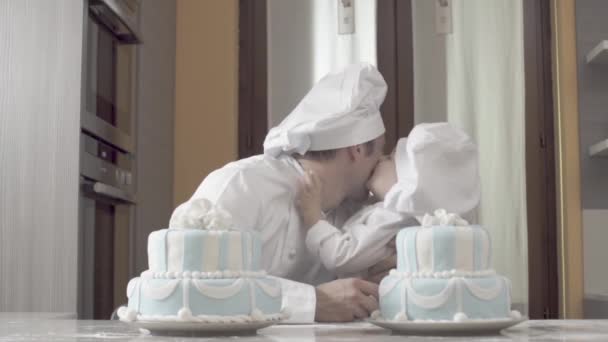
<point x="33" y="328"/>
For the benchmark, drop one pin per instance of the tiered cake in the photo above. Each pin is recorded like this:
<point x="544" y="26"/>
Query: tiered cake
<point x="203" y="270"/>
<point x="443" y="274"/>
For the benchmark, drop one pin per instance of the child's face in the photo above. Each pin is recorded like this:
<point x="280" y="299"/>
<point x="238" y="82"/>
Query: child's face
<point x="384" y="176"/>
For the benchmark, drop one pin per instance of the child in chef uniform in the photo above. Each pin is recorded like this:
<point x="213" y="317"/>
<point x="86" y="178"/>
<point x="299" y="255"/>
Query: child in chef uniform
<point x="435" y="167"/>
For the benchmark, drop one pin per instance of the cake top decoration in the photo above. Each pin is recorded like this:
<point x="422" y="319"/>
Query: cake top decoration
<point x="200" y="213"/>
<point x="442" y="218"/>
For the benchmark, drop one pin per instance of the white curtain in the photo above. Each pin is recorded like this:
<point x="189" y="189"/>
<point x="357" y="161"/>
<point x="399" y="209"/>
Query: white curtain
<point x="485" y="97"/>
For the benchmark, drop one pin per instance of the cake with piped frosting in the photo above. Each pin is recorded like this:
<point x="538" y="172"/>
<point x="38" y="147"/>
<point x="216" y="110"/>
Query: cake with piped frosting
<point x="444" y="273"/>
<point x="202" y="269"/>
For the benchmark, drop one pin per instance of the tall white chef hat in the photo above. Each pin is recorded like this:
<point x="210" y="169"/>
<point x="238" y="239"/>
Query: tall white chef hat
<point x="342" y="109"/>
<point x="437" y="167"/>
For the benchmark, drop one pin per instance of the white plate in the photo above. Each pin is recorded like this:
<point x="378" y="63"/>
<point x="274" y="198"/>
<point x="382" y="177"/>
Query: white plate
<point x="472" y="327"/>
<point x="204" y="329"/>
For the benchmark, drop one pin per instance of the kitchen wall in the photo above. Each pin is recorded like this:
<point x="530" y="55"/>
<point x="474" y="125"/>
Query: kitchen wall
<point x="304" y="45"/>
<point x="39" y="141"/>
<point x="430" y="72"/>
<point x="187" y="119"/>
<point x="290" y="44"/>
<point x="206" y="92"/>
<point x="290" y="36"/>
<point x="591" y="28"/>
<point x="595" y="236"/>
<point x="155" y="116"/>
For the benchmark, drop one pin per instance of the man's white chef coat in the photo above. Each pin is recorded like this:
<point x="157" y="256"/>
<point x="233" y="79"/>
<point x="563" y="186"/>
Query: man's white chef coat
<point x="259" y="192"/>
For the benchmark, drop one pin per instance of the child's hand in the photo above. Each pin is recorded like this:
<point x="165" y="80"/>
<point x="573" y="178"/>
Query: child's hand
<point x="308" y="199"/>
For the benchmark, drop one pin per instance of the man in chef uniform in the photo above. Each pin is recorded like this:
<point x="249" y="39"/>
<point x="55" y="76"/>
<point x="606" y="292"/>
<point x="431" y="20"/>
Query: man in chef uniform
<point x="336" y="133"/>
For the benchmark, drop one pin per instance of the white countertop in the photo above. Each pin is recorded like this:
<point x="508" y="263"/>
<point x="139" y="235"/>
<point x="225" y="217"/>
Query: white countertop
<point x="31" y="328"/>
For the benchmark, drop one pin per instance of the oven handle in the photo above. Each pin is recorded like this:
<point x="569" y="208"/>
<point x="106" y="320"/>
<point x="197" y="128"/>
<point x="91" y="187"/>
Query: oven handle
<point x="115" y="18"/>
<point x="107" y="191"/>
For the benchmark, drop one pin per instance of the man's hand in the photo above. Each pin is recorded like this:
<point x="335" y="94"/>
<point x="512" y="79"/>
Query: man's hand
<point x="308" y="199"/>
<point x="344" y="300"/>
<point x="381" y="269"/>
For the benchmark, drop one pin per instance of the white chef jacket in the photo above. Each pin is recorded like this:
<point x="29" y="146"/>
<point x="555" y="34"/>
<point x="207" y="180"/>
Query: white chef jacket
<point x="259" y="193"/>
<point x="360" y="243"/>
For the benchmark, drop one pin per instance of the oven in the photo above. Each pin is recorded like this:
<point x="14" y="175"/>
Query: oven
<point x="109" y="72"/>
<point x="107" y="156"/>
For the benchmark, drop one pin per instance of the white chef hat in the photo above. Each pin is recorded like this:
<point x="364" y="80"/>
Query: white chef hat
<point x="342" y="109"/>
<point x="437" y="167"/>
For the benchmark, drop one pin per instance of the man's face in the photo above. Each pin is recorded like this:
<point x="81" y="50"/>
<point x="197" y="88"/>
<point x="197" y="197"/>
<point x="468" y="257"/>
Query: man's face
<point x="364" y="168"/>
<point x="384" y="176"/>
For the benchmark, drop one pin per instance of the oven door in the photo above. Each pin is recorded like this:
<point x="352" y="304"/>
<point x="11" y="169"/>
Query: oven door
<point x="105" y="213"/>
<point x="107" y="154"/>
<point x="109" y="75"/>
<point x="106" y="203"/>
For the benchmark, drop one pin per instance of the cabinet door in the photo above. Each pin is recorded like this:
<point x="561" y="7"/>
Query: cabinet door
<point x="40" y="75"/>
<point x="396" y="63"/>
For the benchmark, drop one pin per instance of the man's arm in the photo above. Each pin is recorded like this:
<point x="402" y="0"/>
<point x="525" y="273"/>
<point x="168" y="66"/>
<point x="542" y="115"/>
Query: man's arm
<point x="338" y="249"/>
<point x="338" y="300"/>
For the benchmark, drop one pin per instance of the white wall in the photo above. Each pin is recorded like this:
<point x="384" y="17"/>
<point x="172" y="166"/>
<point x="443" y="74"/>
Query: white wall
<point x="430" y="74"/>
<point x="155" y="123"/>
<point x="290" y="55"/>
<point x="595" y="236"/>
<point x="592" y="80"/>
<point x="40" y="68"/>
<point x="304" y="45"/>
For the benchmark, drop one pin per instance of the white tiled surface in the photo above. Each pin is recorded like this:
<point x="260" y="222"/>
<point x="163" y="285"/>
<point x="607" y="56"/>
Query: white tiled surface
<point x="35" y="329"/>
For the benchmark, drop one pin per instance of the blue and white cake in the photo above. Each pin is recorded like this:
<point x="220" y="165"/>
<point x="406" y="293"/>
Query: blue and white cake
<point x="443" y="274"/>
<point x="201" y="269"/>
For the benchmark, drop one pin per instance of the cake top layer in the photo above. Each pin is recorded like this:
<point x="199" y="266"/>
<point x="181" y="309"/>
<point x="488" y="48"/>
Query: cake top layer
<point x="200" y="213"/>
<point x="442" y="218"/>
<point x="443" y="242"/>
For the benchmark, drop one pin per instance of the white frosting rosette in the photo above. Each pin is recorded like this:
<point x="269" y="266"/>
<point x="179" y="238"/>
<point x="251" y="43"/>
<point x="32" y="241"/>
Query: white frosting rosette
<point x="442" y="218"/>
<point x="200" y="213"/>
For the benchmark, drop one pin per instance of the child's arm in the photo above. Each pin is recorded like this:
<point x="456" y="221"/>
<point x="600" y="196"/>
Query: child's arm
<point x="362" y="243"/>
<point x="308" y="199"/>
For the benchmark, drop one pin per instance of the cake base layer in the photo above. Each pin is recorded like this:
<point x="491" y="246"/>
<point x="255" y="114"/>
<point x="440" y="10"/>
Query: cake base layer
<point x="196" y="300"/>
<point x="451" y="299"/>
